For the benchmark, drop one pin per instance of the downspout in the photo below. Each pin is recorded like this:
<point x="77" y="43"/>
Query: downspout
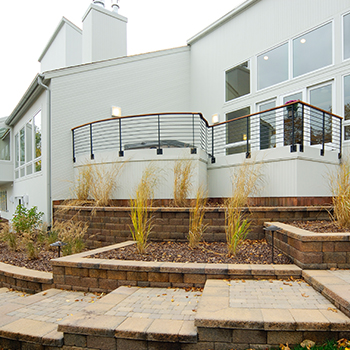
<point x="49" y="194"/>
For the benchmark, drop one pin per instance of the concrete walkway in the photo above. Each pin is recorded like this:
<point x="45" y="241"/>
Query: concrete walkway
<point x="227" y="314"/>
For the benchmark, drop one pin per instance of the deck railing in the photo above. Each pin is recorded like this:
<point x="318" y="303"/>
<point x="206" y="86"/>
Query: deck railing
<point x="296" y="124"/>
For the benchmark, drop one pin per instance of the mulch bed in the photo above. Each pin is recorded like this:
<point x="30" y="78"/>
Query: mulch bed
<point x="251" y="252"/>
<point x="20" y="259"/>
<point x="319" y="226"/>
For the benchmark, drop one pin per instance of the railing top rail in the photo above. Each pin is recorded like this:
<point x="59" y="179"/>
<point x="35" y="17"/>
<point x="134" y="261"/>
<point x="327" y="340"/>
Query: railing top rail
<point x="274" y="108"/>
<point x="143" y="115"/>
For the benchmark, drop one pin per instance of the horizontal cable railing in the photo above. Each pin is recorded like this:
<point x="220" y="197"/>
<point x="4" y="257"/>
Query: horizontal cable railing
<point x="295" y="124"/>
<point x="149" y="131"/>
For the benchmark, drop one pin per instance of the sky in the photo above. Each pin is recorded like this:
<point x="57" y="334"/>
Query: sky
<point x="27" y="26"/>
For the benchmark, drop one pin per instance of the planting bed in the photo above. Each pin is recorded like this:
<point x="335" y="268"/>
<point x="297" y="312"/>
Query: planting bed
<point x="251" y="252"/>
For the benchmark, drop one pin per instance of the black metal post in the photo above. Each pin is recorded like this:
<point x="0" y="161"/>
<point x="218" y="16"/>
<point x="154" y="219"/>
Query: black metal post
<point x="301" y="147"/>
<point x="121" y="153"/>
<point x="159" y="150"/>
<point x="341" y="138"/>
<point x="212" y="146"/>
<point x="193" y="148"/>
<point x="323" y="130"/>
<point x="293" y="147"/>
<point x="73" y="146"/>
<point x="91" y="146"/>
<point x="247" y="155"/>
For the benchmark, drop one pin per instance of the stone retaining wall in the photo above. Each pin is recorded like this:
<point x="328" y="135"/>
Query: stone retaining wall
<point x="26" y="280"/>
<point x="78" y="272"/>
<point x="310" y="250"/>
<point x="110" y="225"/>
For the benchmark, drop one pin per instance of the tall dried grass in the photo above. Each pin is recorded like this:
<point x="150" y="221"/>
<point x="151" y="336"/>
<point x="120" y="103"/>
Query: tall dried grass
<point x="70" y="232"/>
<point x="245" y="182"/>
<point x="183" y="171"/>
<point x="339" y="181"/>
<point x="141" y="218"/>
<point x="196" y="227"/>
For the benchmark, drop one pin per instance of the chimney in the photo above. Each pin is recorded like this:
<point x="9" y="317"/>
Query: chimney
<point x="99" y="2"/>
<point x="115" y="6"/>
<point x="104" y="33"/>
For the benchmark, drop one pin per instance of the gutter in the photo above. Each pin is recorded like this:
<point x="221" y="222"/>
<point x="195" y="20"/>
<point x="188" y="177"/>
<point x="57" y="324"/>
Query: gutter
<point x="48" y="157"/>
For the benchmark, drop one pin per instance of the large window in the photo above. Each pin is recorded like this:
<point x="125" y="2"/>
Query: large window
<point x="238" y="81"/>
<point x="312" y="50"/>
<point x="238" y="131"/>
<point x="4" y="144"/>
<point x="28" y="148"/>
<point x="273" y="67"/>
<point x="346" y="36"/>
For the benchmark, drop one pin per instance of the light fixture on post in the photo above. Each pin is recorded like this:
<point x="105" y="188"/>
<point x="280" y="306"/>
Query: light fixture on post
<point x="116" y="112"/>
<point x="215" y="118"/>
<point x="272" y="229"/>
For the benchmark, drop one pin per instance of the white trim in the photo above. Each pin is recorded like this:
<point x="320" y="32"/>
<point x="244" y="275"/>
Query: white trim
<point x="342" y="29"/>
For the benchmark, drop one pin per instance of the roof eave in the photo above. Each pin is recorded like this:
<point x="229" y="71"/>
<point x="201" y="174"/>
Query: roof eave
<point x="220" y="21"/>
<point x="29" y="96"/>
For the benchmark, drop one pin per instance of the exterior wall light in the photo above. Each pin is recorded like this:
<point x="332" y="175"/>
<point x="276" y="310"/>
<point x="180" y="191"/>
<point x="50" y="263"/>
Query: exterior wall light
<point x="303" y="41"/>
<point x="215" y="118"/>
<point x="116" y="111"/>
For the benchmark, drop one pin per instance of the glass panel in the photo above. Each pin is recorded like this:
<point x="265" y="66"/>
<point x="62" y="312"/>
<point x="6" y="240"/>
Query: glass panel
<point x="22" y="172"/>
<point x="347" y="132"/>
<point x="22" y="146"/>
<point x="267" y="125"/>
<point x="16" y="174"/>
<point x="322" y="98"/>
<point x="347" y="36"/>
<point x="3" y="200"/>
<point x="273" y="67"/>
<point x="38" y="166"/>
<point x="5" y="148"/>
<point x="313" y="50"/>
<point x="292" y="121"/>
<point x="29" y="169"/>
<point x="292" y="97"/>
<point x="347" y="97"/>
<point x="29" y="141"/>
<point x="238" y="81"/>
<point x="238" y="131"/>
<point x="37" y="122"/>
<point x="17" y="150"/>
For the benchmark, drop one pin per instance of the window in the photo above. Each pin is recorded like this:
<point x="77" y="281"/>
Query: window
<point x="347" y="107"/>
<point x="4" y="144"/>
<point x="321" y="97"/>
<point x="3" y="200"/>
<point x="238" y="131"/>
<point x="267" y="125"/>
<point x="312" y="50"/>
<point x="273" y="67"/>
<point x="238" y="81"/>
<point x="28" y="148"/>
<point x="346" y="36"/>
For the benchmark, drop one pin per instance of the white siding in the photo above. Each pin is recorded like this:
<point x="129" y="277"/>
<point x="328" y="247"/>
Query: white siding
<point x="157" y="84"/>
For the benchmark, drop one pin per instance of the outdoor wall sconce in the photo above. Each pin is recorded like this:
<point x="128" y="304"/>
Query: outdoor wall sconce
<point x="116" y="111"/>
<point x="273" y="229"/>
<point x="215" y="118"/>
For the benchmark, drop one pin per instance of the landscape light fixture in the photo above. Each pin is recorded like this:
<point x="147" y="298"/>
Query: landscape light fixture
<point x="273" y="229"/>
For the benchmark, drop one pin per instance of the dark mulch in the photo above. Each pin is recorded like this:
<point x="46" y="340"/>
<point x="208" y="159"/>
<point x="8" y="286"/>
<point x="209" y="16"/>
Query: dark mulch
<point x="251" y="252"/>
<point x="20" y="259"/>
<point x="319" y="226"/>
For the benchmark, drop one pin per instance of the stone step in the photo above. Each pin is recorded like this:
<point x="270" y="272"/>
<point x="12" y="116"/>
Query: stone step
<point x="247" y="314"/>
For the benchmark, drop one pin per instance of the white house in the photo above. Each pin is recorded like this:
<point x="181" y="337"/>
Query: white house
<point x="259" y="56"/>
